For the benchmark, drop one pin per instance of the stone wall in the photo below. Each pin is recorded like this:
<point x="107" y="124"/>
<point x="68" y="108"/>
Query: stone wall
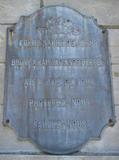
<point x="107" y="14"/>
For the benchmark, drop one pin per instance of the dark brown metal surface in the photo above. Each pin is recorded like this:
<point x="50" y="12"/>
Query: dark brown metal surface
<point x="58" y="86"/>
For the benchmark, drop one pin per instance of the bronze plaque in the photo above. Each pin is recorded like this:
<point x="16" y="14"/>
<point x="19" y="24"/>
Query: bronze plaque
<point x="58" y="81"/>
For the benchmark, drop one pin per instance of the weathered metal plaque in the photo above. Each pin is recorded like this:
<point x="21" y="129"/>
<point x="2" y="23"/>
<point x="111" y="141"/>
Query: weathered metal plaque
<point x="58" y="82"/>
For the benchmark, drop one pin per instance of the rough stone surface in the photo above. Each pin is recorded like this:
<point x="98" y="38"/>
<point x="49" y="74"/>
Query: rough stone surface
<point x="114" y="38"/>
<point x="2" y="42"/>
<point x="2" y="68"/>
<point x="106" y="13"/>
<point x="21" y="157"/>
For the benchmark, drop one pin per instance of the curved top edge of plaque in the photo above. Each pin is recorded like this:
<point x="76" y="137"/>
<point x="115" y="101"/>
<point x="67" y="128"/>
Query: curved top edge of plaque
<point x="94" y="20"/>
